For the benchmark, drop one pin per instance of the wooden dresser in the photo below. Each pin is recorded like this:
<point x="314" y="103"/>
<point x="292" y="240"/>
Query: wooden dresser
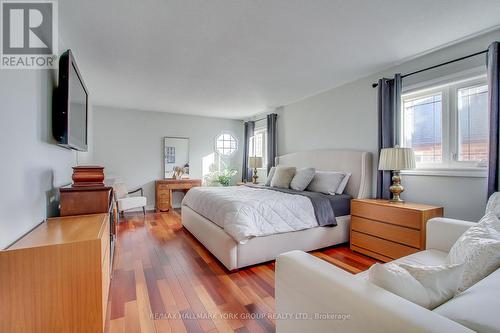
<point x="165" y="187"/>
<point x="387" y="231"/>
<point x="56" y="278"/>
<point x="85" y="200"/>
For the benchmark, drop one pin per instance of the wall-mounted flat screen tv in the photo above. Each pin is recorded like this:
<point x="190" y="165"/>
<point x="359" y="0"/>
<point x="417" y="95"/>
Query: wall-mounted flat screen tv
<point x="70" y="111"/>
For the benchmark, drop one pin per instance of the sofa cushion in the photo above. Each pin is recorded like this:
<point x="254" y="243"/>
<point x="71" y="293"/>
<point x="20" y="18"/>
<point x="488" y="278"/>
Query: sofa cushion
<point x="479" y="249"/>
<point x="476" y="307"/>
<point x="398" y="281"/>
<point x="440" y="282"/>
<point x="427" y="258"/>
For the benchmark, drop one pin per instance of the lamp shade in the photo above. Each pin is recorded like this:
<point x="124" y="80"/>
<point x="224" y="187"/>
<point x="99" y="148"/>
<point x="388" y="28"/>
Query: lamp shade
<point x="396" y="159"/>
<point x="254" y="162"/>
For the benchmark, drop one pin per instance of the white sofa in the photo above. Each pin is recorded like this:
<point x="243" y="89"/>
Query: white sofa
<point x="307" y="286"/>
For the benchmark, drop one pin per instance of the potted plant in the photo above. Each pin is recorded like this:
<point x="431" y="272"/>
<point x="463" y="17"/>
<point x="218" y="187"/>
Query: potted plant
<point x="221" y="178"/>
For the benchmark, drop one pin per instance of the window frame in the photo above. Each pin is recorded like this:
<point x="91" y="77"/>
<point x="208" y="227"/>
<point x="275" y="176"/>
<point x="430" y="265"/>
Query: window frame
<point x="450" y="165"/>
<point x="251" y="150"/>
<point x="217" y="148"/>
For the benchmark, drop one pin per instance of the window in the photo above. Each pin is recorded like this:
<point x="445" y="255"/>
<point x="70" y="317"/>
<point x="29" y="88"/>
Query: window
<point x="447" y="125"/>
<point x="226" y="144"/>
<point x="473" y="123"/>
<point x="258" y="145"/>
<point x="423" y="127"/>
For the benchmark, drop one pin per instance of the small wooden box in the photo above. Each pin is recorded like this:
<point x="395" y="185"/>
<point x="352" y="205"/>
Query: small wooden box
<point x="387" y="231"/>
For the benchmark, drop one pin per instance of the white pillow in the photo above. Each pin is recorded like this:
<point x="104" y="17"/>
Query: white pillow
<point x="343" y="184"/>
<point x="270" y="176"/>
<point x="283" y="176"/>
<point x="302" y="178"/>
<point x="440" y="282"/>
<point x="479" y="249"/>
<point x="427" y="286"/>
<point x="398" y="281"/>
<point x="326" y="182"/>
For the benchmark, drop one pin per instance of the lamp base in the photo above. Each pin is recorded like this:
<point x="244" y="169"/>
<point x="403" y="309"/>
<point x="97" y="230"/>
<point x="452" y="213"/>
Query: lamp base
<point x="396" y="187"/>
<point x="254" y="178"/>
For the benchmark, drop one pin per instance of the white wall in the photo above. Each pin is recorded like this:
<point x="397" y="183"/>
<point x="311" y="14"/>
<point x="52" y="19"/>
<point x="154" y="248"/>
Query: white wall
<point x="129" y="143"/>
<point x="32" y="166"/>
<point x="346" y="117"/>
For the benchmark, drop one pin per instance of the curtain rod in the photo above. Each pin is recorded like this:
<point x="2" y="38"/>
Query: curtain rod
<point x="263" y="118"/>
<point x="374" y="85"/>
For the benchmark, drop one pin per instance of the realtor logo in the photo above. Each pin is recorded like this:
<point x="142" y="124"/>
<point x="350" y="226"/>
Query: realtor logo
<point x="29" y="35"/>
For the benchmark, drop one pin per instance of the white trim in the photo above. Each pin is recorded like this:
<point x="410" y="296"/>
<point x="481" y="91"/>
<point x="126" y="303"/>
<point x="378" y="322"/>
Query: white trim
<point x="448" y="172"/>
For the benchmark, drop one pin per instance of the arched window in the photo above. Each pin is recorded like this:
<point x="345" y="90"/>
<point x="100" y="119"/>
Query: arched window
<point x="226" y="144"/>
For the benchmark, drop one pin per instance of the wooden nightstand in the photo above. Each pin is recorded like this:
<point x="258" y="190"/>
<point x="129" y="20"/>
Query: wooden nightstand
<point x="387" y="231"/>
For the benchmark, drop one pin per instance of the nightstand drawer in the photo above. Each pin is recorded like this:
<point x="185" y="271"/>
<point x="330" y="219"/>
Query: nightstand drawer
<point x="395" y="233"/>
<point x="394" y="215"/>
<point x="382" y="246"/>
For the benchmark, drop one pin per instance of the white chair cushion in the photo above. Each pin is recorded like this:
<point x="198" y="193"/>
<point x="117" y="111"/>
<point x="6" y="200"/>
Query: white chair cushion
<point x="120" y="190"/>
<point x="131" y="202"/>
<point x="477" y="307"/>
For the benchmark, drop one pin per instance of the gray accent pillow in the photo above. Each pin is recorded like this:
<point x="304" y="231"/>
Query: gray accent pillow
<point x="302" y="179"/>
<point x="283" y="177"/>
<point x="270" y="176"/>
<point x="326" y="182"/>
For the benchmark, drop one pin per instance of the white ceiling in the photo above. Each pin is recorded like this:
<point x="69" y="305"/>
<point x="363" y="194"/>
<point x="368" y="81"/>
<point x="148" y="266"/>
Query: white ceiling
<point x="236" y="58"/>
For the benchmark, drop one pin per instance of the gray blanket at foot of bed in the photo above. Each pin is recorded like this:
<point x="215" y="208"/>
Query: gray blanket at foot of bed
<point x="326" y="207"/>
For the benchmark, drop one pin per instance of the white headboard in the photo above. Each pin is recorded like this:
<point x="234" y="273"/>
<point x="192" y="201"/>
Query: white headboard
<point x="359" y="163"/>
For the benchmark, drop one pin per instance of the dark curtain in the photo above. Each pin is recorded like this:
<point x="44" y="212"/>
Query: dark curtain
<point x="389" y="100"/>
<point x="246" y="172"/>
<point x="493" y="68"/>
<point x="272" y="144"/>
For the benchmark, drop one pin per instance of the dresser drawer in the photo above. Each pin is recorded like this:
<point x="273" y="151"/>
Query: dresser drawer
<point x="163" y="198"/>
<point x="395" y="233"/>
<point x="382" y="246"/>
<point x="394" y="215"/>
<point x="163" y="192"/>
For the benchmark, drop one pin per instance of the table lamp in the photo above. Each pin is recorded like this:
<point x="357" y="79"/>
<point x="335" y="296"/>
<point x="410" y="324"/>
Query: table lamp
<point x="396" y="159"/>
<point x="254" y="162"/>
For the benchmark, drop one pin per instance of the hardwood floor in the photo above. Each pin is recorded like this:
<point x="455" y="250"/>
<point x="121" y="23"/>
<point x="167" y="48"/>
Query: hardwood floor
<point x="164" y="280"/>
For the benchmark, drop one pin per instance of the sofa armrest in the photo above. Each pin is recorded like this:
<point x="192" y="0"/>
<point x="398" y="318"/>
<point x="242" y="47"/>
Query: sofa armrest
<point x="313" y="295"/>
<point x="443" y="232"/>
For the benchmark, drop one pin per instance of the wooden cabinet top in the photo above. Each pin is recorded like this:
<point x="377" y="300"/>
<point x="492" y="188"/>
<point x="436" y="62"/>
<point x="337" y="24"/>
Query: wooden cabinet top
<point x="401" y="205"/>
<point x="179" y="181"/>
<point x="62" y="230"/>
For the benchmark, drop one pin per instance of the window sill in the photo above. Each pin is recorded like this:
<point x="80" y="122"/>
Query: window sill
<point x="448" y="172"/>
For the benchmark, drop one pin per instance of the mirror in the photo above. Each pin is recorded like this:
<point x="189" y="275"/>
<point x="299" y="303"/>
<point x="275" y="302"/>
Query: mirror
<point x="176" y="157"/>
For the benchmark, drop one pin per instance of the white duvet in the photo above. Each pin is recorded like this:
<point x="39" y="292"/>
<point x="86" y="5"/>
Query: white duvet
<point x="244" y="212"/>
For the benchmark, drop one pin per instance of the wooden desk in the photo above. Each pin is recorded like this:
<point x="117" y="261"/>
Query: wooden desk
<point x="56" y="278"/>
<point x="165" y="187"/>
<point x="388" y="231"/>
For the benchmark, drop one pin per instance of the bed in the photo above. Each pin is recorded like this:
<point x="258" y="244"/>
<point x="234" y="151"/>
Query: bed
<point x="235" y="251"/>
